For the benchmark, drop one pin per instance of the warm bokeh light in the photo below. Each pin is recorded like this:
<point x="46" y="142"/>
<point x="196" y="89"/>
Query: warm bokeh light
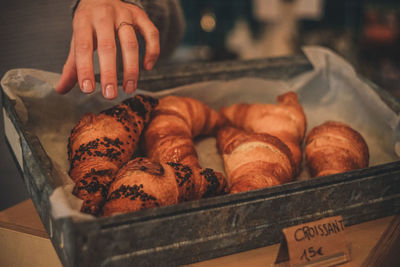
<point x="208" y="22"/>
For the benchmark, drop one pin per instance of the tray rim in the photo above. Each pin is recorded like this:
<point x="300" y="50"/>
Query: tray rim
<point x="32" y="144"/>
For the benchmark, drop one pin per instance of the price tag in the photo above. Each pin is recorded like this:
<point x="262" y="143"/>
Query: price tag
<point x="318" y="243"/>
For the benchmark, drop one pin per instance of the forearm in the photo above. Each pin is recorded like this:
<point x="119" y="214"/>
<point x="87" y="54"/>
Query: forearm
<point x="138" y="3"/>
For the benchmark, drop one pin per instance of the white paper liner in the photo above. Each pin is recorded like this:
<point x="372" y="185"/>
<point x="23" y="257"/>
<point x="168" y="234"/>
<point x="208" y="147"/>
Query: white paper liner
<point x="332" y="91"/>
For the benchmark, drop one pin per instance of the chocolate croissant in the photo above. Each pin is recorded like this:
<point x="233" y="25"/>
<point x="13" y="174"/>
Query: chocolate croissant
<point x="177" y="120"/>
<point x="254" y="160"/>
<point x="335" y="147"/>
<point x="100" y="144"/>
<point x="143" y="183"/>
<point x="286" y="120"/>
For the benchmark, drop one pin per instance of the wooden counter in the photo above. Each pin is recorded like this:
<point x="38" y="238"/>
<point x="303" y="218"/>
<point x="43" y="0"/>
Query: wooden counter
<point x="24" y="242"/>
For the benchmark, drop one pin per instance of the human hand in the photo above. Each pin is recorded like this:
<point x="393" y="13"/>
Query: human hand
<point x="95" y="26"/>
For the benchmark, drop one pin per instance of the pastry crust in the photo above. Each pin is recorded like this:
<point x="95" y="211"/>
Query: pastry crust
<point x="335" y="147"/>
<point x="143" y="184"/>
<point x="286" y="120"/>
<point x="177" y="121"/>
<point x="254" y="160"/>
<point x="100" y="144"/>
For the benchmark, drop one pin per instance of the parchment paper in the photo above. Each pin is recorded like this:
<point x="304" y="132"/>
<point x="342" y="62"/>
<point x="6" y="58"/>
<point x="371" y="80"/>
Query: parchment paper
<point x="332" y="91"/>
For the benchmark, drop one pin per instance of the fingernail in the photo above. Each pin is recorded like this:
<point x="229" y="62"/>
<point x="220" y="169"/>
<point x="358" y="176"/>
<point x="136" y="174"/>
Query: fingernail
<point x="149" y="65"/>
<point x="87" y="86"/>
<point x="130" y="87"/>
<point x="109" y="93"/>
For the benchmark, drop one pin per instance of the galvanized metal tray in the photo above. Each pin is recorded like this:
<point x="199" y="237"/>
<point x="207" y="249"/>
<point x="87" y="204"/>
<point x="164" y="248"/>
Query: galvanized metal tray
<point x="208" y="228"/>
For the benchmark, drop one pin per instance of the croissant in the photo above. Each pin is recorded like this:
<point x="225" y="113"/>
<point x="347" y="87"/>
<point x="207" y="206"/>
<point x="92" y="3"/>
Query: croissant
<point x="143" y="183"/>
<point x="254" y="160"/>
<point x="286" y="120"/>
<point x="177" y="120"/>
<point x="100" y="144"/>
<point x="335" y="147"/>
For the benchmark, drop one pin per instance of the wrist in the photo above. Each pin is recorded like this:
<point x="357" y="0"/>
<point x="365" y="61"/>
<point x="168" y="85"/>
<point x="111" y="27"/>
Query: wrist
<point x="137" y="3"/>
<point x="75" y="4"/>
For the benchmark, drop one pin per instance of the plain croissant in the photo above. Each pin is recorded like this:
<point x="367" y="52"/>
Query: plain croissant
<point x="254" y="160"/>
<point x="100" y="144"/>
<point x="286" y="120"/>
<point x="142" y="184"/>
<point x="177" y="120"/>
<point x="335" y="147"/>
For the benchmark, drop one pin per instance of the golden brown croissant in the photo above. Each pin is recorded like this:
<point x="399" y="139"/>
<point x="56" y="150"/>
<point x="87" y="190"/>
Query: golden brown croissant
<point x="334" y="147"/>
<point x="254" y="160"/>
<point x="286" y="120"/>
<point x="177" y="120"/>
<point x="100" y="144"/>
<point x="142" y="184"/>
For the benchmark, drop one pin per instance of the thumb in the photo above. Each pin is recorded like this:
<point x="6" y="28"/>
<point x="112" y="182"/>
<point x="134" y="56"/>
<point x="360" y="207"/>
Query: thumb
<point x="69" y="75"/>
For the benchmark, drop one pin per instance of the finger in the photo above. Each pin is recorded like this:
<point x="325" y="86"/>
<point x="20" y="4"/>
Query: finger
<point x="106" y="49"/>
<point x="83" y="49"/>
<point x="151" y="36"/>
<point x="69" y="76"/>
<point x="130" y="57"/>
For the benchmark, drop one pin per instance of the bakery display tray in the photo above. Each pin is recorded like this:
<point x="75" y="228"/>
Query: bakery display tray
<point x="199" y="230"/>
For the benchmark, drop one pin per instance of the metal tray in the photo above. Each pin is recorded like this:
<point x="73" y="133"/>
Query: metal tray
<point x="208" y="228"/>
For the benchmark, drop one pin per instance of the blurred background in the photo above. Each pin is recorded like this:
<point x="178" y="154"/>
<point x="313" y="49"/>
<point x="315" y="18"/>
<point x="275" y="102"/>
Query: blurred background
<point x="36" y="34"/>
<point x="365" y="33"/>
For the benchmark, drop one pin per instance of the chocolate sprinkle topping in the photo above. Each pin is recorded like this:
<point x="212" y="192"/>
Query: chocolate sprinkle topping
<point x="213" y="182"/>
<point x="131" y="192"/>
<point x="136" y="105"/>
<point x="120" y="113"/>
<point x="101" y="173"/>
<point x="113" y="151"/>
<point x="182" y="172"/>
<point x="94" y="186"/>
